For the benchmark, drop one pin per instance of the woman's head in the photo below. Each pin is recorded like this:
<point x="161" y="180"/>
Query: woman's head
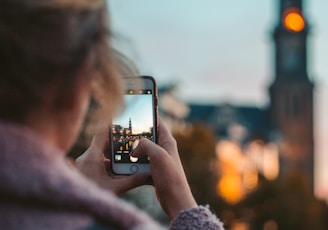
<point x="44" y="45"/>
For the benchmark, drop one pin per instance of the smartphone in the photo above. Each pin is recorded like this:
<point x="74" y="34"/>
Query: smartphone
<point x="138" y="120"/>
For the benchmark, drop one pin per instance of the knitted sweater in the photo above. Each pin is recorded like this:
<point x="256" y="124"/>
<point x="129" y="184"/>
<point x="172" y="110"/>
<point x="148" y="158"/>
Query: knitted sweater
<point x="38" y="190"/>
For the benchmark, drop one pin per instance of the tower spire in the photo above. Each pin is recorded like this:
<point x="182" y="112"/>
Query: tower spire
<point x="291" y="93"/>
<point x="284" y="4"/>
<point x="130" y="125"/>
<point x="290" y="37"/>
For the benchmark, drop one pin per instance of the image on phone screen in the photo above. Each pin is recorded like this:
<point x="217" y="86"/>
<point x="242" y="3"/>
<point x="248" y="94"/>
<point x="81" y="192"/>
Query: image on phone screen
<point x="133" y="124"/>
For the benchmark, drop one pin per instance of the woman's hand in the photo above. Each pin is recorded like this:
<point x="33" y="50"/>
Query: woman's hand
<point x="93" y="164"/>
<point x="167" y="172"/>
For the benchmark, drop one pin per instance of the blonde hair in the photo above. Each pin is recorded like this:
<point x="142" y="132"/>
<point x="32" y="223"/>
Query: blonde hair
<point x="125" y="67"/>
<point x="46" y="42"/>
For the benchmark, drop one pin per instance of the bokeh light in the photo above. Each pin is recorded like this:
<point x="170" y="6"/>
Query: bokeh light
<point x="293" y="21"/>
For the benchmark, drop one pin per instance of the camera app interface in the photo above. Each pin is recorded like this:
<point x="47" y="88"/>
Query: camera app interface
<point x="133" y="124"/>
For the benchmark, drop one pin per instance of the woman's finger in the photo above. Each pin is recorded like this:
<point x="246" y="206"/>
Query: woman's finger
<point x="156" y="153"/>
<point x="165" y="139"/>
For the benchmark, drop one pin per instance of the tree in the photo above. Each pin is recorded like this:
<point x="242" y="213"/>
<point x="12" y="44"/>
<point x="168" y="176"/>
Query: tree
<point x="288" y="202"/>
<point x="197" y="152"/>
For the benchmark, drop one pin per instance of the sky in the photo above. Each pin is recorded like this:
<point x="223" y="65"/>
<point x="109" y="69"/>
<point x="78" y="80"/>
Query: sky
<point x="222" y="51"/>
<point x="138" y="108"/>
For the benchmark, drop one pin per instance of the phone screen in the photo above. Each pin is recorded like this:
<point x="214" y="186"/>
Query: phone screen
<point x="137" y="121"/>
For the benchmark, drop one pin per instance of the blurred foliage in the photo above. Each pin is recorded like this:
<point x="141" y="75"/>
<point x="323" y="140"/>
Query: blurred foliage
<point x="286" y="203"/>
<point x="196" y="147"/>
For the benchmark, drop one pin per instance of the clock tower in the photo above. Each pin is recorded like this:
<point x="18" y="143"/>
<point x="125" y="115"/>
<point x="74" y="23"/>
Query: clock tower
<point x="291" y="93"/>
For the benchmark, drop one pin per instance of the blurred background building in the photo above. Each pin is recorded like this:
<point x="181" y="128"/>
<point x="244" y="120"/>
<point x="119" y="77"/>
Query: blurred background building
<point x="253" y="164"/>
<point x="271" y="141"/>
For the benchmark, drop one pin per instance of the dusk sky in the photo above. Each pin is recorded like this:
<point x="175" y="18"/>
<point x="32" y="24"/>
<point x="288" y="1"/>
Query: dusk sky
<point x="221" y="51"/>
<point x="139" y="109"/>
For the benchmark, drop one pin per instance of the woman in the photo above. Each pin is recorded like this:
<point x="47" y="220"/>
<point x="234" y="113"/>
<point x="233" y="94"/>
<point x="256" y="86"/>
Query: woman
<point x="53" y="55"/>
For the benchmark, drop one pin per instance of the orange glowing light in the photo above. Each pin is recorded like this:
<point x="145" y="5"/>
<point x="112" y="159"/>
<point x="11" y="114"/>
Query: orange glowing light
<point x="294" y="21"/>
<point x="230" y="188"/>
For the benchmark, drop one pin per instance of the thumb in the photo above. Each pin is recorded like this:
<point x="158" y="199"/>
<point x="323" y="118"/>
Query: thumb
<point x="156" y="153"/>
<point x="146" y="148"/>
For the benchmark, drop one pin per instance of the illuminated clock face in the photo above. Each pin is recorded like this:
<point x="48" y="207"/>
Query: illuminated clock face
<point x="293" y="20"/>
